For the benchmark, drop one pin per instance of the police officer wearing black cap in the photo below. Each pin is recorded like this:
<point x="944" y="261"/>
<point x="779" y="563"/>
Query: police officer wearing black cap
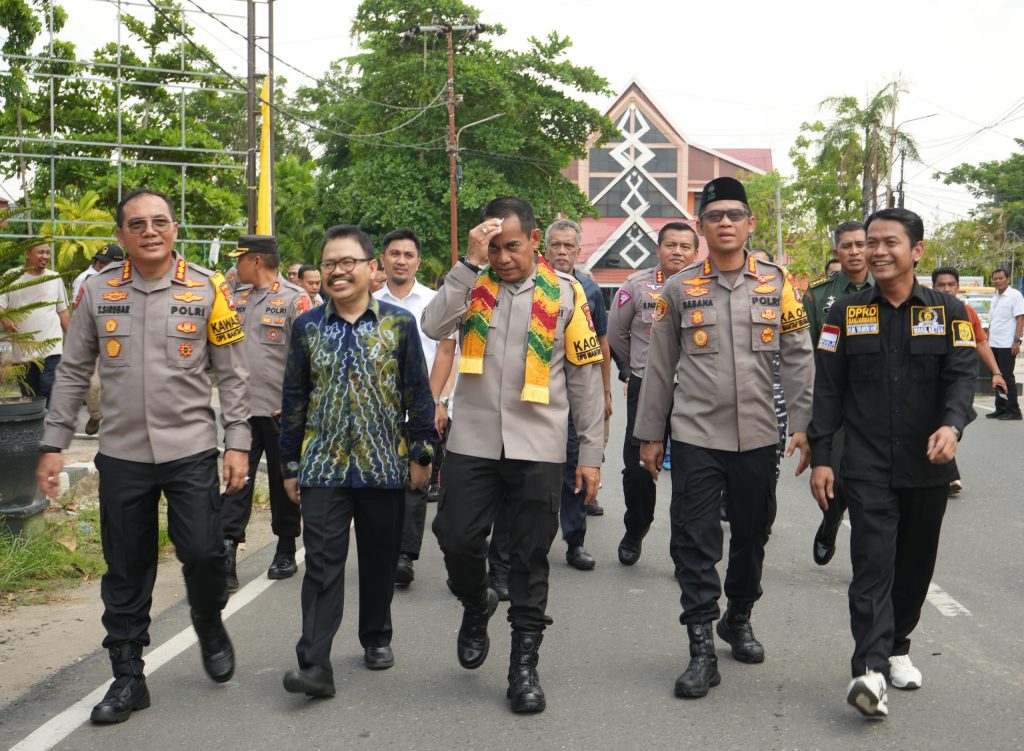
<point x="719" y="326"/>
<point x="267" y="305"/>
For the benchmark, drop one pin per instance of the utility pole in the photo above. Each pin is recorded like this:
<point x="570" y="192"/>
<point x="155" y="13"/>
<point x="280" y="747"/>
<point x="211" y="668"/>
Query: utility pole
<point x="903" y="157"/>
<point x="778" y="220"/>
<point x="892" y="152"/>
<point x="453" y="150"/>
<point x="250" y="158"/>
<point x="270" y="109"/>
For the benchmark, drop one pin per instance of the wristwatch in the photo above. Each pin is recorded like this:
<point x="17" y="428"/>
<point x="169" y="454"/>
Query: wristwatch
<point x="955" y="429"/>
<point x="445" y="400"/>
<point x="471" y="266"/>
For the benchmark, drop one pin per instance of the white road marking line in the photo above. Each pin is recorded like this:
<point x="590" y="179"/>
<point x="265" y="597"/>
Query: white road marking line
<point x="944" y="603"/>
<point x="54" y="731"/>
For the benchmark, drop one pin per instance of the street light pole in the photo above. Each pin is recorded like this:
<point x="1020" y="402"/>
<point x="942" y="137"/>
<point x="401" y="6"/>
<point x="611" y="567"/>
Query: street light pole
<point x="892" y="158"/>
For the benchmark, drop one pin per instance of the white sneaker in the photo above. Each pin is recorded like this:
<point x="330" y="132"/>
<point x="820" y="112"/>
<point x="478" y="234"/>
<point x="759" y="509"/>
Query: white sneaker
<point x="868" y="696"/>
<point x="955" y="486"/>
<point x="903" y="674"/>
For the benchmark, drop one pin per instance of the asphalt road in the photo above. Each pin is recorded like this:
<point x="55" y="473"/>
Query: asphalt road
<point x="609" y="662"/>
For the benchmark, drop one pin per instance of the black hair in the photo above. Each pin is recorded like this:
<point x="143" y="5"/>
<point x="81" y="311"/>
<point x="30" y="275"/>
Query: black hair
<point x="841" y="229"/>
<point x="679" y="226"/>
<point x="832" y="260"/>
<point x="1000" y="269"/>
<point x="503" y="207"/>
<point x="402" y="233"/>
<point x="119" y="215"/>
<point x="945" y="271"/>
<point x="911" y="222"/>
<point x="304" y="268"/>
<point x="341" y="231"/>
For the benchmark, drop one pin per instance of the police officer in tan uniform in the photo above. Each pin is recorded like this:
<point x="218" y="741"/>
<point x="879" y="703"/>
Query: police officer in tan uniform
<point x="155" y="323"/>
<point x="629" y="335"/>
<point x="718" y="328"/>
<point x="267" y="305"/>
<point x="529" y="353"/>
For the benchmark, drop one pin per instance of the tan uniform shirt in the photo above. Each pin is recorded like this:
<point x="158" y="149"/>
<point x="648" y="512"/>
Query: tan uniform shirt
<point x="267" y="315"/>
<point x="492" y="417"/>
<point x="153" y="339"/>
<point x="633" y="311"/>
<point x="710" y="362"/>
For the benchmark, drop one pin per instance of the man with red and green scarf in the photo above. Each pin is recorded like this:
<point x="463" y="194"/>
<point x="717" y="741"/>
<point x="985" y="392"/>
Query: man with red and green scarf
<point x="529" y="353"/>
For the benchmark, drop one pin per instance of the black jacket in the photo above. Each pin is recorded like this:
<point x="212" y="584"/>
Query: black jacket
<point x="892" y="377"/>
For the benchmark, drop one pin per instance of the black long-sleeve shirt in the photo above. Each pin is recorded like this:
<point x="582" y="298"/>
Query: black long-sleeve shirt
<point x="892" y="377"/>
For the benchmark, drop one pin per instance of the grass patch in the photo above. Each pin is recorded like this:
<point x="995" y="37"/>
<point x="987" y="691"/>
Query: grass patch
<point x="69" y="553"/>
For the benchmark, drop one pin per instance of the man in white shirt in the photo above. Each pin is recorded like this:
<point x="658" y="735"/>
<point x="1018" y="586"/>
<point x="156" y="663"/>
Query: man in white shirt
<point x="1005" y="327"/>
<point x="47" y="324"/>
<point x="400" y="258"/>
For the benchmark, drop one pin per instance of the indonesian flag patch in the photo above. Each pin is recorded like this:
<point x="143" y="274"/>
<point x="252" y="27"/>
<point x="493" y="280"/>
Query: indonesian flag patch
<point x="829" y="339"/>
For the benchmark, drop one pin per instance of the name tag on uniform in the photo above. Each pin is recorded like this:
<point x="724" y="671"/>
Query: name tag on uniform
<point x="861" y="319"/>
<point x="927" y="320"/>
<point x="829" y="339"/>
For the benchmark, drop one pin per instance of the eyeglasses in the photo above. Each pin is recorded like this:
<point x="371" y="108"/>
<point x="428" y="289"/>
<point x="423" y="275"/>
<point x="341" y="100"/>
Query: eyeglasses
<point x="559" y="246"/>
<point x="345" y="264"/>
<point x="160" y="224"/>
<point x="716" y="215"/>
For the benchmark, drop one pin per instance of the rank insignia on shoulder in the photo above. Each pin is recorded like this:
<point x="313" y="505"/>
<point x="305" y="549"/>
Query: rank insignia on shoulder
<point x="829" y="339"/>
<point x="817" y="282"/>
<point x="963" y="334"/>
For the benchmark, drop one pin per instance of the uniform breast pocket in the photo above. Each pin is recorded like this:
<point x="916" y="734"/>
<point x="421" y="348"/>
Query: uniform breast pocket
<point x="186" y="342"/>
<point x="926" y="353"/>
<point x="564" y="314"/>
<point x="699" y="331"/>
<point x="115" y="341"/>
<point x="272" y="334"/>
<point x="864" y="354"/>
<point x="764" y="333"/>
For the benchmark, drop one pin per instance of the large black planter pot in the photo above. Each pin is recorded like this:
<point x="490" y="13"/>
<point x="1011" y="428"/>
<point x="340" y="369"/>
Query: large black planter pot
<point x="21" y="505"/>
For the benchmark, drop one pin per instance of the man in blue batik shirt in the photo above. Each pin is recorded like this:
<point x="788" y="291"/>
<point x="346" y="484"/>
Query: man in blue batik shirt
<point x="355" y="370"/>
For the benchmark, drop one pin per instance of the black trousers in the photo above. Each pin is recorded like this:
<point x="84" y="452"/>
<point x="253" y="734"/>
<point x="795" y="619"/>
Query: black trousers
<point x="893" y="546"/>
<point x="129" y="500"/>
<point x="499" y="561"/>
<point x="472" y="493"/>
<point x="39" y="380"/>
<point x="1006" y="361"/>
<point x="327" y="514"/>
<point x="415" y="522"/>
<point x="699" y="477"/>
<point x="572" y="512"/>
<point x="638" y="488"/>
<point x="285" y="516"/>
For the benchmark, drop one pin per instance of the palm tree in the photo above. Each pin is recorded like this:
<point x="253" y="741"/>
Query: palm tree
<point x="866" y="138"/>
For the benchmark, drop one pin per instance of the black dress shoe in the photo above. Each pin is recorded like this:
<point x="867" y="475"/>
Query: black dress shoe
<point x="594" y="509"/>
<point x="473" y="643"/>
<point x="379" y="658"/>
<point x="314" y="681"/>
<point x="629" y="550"/>
<point x="404" y="572"/>
<point x="230" y="565"/>
<point x="215" y="646"/>
<point x="995" y="415"/>
<point x="1011" y="416"/>
<point x="578" y="557"/>
<point x="283" y="566"/>
<point x="825" y="542"/>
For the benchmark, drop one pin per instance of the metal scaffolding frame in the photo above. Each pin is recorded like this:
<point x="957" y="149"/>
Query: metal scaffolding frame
<point x="196" y="239"/>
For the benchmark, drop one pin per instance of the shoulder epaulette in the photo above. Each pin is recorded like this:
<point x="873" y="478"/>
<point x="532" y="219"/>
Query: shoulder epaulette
<point x="818" y="282"/>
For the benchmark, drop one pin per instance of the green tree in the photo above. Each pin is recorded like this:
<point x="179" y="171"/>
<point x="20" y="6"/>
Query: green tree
<point x="998" y="185"/>
<point x="396" y="90"/>
<point x="81" y="228"/>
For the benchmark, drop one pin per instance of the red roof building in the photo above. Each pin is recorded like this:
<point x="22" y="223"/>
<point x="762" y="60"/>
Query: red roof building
<point x="648" y="176"/>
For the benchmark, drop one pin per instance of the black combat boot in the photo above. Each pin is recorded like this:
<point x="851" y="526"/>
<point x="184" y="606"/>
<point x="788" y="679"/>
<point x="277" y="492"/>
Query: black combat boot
<point x="702" y="672"/>
<point x="734" y="628"/>
<point x="230" y="565"/>
<point x="128" y="692"/>
<point x="218" y="654"/>
<point x="523" y="682"/>
<point x="473" y="643"/>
